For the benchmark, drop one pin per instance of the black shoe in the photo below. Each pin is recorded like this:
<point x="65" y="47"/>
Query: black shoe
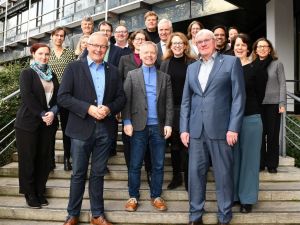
<point x="176" y="182"/>
<point x="272" y="170"/>
<point x="246" y="208"/>
<point x="67" y="165"/>
<point x="32" y="201"/>
<point x="261" y="168"/>
<point x="200" y="222"/>
<point x="52" y="166"/>
<point x="42" y="199"/>
<point x="236" y="203"/>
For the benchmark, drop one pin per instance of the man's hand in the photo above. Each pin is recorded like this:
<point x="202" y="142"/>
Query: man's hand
<point x="128" y="129"/>
<point x="103" y="110"/>
<point x="167" y="131"/>
<point x="99" y="112"/>
<point x="185" y="138"/>
<point x="231" y="138"/>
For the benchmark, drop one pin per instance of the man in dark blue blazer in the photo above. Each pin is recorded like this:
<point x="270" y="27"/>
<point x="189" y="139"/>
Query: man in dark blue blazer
<point x="211" y="114"/>
<point x="92" y="91"/>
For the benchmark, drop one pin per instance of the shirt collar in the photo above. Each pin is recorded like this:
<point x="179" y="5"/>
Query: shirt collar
<point x="147" y="68"/>
<point x="91" y="62"/>
<point x="211" y="58"/>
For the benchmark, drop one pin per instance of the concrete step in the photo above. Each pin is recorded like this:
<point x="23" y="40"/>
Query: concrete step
<point x="30" y="222"/>
<point x="263" y="212"/>
<point x="59" y="188"/>
<point x="119" y="172"/>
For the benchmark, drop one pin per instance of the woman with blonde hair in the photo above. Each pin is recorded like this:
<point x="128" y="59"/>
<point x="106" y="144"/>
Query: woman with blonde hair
<point x="194" y="27"/>
<point x="81" y="45"/>
<point x="175" y="62"/>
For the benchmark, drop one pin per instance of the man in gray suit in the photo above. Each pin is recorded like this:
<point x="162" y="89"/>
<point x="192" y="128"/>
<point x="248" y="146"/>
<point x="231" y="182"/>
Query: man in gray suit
<point x="148" y="116"/>
<point x="87" y="27"/>
<point x="212" y="108"/>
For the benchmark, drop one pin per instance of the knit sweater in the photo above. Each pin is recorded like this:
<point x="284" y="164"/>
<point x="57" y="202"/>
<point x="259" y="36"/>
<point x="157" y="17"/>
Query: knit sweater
<point x="276" y="87"/>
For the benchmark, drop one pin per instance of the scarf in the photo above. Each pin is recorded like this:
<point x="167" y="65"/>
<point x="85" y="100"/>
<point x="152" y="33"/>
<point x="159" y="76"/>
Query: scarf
<point x="43" y="70"/>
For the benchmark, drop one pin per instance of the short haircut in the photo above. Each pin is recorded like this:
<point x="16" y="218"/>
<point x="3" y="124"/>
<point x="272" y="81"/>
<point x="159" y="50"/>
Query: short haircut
<point x="147" y="43"/>
<point x="96" y="34"/>
<point x="88" y="18"/>
<point x="121" y="25"/>
<point x="205" y="31"/>
<point x="221" y="27"/>
<point x="150" y="13"/>
<point x="163" y="21"/>
<point x="56" y="29"/>
<point x="233" y="28"/>
<point x="246" y="39"/>
<point x="105" y="23"/>
<point x="36" y="46"/>
<point x="133" y="35"/>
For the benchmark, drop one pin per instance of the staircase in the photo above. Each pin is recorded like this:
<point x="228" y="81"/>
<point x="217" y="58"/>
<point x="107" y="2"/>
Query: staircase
<point x="279" y="197"/>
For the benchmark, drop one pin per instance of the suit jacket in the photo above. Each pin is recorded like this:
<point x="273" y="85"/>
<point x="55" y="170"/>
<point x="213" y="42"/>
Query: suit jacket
<point x="127" y="63"/>
<point x="77" y="93"/>
<point x="34" y="104"/>
<point x="159" y="54"/>
<point x="136" y="105"/>
<point x="74" y="41"/>
<point x="220" y="107"/>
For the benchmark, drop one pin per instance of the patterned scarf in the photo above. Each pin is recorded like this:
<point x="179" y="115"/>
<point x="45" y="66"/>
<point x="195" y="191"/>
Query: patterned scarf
<point x="43" y="70"/>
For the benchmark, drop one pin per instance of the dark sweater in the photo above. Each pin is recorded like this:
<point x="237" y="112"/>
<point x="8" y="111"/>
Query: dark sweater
<point x="154" y="37"/>
<point x="255" y="82"/>
<point x="177" y="71"/>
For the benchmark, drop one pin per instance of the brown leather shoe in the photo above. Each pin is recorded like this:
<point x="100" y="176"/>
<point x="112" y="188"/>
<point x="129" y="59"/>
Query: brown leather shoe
<point x="131" y="205"/>
<point x="100" y="221"/>
<point x="159" y="204"/>
<point x="71" y="221"/>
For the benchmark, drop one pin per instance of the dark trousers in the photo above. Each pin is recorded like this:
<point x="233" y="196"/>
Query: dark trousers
<point x="34" y="150"/>
<point x="64" y="115"/>
<point x="270" y="139"/>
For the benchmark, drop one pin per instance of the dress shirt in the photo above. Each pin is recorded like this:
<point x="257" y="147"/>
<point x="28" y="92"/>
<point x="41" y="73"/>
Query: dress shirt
<point x="163" y="47"/>
<point x="107" y="53"/>
<point x="205" y="69"/>
<point x="98" y="76"/>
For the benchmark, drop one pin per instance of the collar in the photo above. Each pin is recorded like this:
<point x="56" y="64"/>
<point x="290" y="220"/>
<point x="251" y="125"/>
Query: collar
<point x="147" y="68"/>
<point x="126" y="46"/>
<point x="90" y="61"/>
<point x="214" y="55"/>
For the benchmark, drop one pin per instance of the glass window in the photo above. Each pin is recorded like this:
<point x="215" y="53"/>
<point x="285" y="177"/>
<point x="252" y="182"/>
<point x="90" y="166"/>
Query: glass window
<point x="49" y="11"/>
<point x="69" y="7"/>
<point x="11" y="27"/>
<point x="83" y="4"/>
<point x="24" y="21"/>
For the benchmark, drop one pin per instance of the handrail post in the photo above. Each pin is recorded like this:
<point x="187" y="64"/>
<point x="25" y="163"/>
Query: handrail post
<point x="283" y="135"/>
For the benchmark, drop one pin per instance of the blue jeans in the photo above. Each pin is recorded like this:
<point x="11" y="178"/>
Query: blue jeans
<point x="151" y="134"/>
<point x="98" y="145"/>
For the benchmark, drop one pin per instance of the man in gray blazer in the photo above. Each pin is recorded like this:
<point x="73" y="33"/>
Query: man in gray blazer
<point x="165" y="29"/>
<point x="87" y="27"/>
<point x="148" y="116"/>
<point x="212" y="108"/>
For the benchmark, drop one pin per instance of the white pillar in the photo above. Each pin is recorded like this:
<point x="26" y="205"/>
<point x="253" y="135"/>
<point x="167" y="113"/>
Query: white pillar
<point x="280" y="31"/>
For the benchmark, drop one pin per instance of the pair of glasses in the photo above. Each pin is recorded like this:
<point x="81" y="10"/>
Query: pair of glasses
<point x="205" y="41"/>
<point x="121" y="32"/>
<point x="178" y="43"/>
<point x="140" y="39"/>
<point x="105" y="31"/>
<point x="262" y="46"/>
<point x="98" y="46"/>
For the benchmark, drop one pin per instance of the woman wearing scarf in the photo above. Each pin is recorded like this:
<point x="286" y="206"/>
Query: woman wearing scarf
<point x="36" y="125"/>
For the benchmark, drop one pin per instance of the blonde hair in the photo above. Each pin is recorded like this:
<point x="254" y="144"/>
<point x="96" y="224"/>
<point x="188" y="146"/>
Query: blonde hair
<point x="78" y="49"/>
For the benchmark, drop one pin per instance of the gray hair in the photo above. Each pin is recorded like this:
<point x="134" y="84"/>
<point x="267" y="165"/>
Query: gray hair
<point x="163" y="21"/>
<point x="98" y="33"/>
<point x="147" y="43"/>
<point x="203" y="32"/>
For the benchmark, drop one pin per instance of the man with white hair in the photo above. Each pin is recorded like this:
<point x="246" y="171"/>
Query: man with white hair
<point x="165" y="29"/>
<point x="211" y="114"/>
<point x="148" y="117"/>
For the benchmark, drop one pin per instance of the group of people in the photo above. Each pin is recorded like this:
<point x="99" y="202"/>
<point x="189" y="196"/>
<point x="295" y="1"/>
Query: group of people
<point x="216" y="101"/>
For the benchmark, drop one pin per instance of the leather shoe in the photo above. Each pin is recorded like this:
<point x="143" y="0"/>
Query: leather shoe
<point x="71" y="221"/>
<point x="131" y="205"/>
<point x="100" y="221"/>
<point x="176" y="182"/>
<point x="200" y="222"/>
<point x="246" y="208"/>
<point x="272" y="170"/>
<point x="159" y="204"/>
<point x="67" y="165"/>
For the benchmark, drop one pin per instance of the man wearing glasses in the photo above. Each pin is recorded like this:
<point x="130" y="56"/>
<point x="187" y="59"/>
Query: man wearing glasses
<point x="121" y="37"/>
<point x="211" y="114"/>
<point x="92" y="91"/>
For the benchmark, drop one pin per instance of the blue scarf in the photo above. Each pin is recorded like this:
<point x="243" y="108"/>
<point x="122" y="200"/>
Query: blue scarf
<point x="43" y="70"/>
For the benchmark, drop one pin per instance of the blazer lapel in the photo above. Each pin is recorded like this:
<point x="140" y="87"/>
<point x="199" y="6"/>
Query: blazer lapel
<point x="158" y="83"/>
<point x="131" y="56"/>
<point x="140" y="77"/>
<point x="217" y="64"/>
<point x="196" y="76"/>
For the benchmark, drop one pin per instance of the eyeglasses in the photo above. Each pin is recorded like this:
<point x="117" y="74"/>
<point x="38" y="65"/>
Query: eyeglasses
<point x="105" y="31"/>
<point x="262" y="46"/>
<point x="140" y="39"/>
<point x="121" y="32"/>
<point x="205" y="41"/>
<point x="98" y="46"/>
<point x="178" y="43"/>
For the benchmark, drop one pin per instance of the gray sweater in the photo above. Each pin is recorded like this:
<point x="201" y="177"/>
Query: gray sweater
<point x="276" y="87"/>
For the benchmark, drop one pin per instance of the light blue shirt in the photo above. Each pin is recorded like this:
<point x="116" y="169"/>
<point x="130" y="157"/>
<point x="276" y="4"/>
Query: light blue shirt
<point x="205" y="69"/>
<point x="98" y="76"/>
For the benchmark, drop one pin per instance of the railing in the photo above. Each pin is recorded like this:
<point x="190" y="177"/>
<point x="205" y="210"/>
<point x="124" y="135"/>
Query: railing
<point x="8" y="129"/>
<point x="285" y="128"/>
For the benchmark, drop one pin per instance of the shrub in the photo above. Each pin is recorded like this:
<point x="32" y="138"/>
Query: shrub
<point x="291" y="149"/>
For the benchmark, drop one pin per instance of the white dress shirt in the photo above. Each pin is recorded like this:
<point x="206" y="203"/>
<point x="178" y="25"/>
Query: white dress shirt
<point x="205" y="69"/>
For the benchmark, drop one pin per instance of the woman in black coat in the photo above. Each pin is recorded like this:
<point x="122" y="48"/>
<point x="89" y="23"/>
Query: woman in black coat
<point x="175" y="62"/>
<point x="36" y="125"/>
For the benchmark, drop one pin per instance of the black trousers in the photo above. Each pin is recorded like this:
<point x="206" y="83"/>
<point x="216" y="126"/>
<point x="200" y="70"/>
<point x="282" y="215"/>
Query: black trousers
<point x="270" y="140"/>
<point x="64" y="115"/>
<point x="34" y="153"/>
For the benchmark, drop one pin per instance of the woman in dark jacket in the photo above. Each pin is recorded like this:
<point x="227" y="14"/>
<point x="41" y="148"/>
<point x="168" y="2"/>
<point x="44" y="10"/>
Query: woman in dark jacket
<point x="36" y="125"/>
<point x="175" y="62"/>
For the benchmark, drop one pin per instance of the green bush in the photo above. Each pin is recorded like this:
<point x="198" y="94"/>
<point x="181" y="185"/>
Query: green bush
<point x="291" y="149"/>
<point x="9" y="83"/>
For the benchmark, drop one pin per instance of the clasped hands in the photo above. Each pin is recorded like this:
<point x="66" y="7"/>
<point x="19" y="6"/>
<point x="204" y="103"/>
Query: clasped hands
<point x="48" y="118"/>
<point x="99" y="112"/>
